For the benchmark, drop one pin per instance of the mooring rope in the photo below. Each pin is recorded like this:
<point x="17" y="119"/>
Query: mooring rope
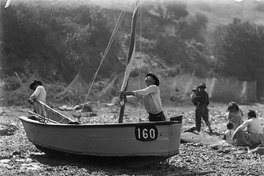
<point x="122" y="13"/>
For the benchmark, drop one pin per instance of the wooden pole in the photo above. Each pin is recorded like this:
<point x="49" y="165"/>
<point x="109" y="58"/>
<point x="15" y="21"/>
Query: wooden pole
<point x="130" y="57"/>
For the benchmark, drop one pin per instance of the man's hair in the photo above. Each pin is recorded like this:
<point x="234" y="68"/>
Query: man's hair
<point x="34" y="83"/>
<point x="233" y="106"/>
<point x="157" y="83"/>
<point x="202" y="85"/>
<point x="230" y="126"/>
<point x="251" y="114"/>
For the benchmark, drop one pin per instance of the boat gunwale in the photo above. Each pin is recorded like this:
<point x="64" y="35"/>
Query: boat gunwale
<point x="131" y="124"/>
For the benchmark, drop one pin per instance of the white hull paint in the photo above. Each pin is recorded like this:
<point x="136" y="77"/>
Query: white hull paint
<point x="159" y="139"/>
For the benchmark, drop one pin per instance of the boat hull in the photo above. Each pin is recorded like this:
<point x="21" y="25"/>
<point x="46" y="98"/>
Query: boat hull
<point x="161" y="139"/>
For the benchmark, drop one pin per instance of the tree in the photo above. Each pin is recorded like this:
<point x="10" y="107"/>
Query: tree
<point x="171" y="49"/>
<point x="86" y="39"/>
<point x="26" y="43"/>
<point x="56" y="41"/>
<point x="238" y="48"/>
<point x="193" y="28"/>
<point x="175" y="10"/>
<point x="191" y="56"/>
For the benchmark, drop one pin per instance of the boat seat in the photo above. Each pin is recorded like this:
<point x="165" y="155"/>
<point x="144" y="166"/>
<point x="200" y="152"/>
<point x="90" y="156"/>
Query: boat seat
<point x="34" y="118"/>
<point x="177" y="118"/>
<point x="73" y="123"/>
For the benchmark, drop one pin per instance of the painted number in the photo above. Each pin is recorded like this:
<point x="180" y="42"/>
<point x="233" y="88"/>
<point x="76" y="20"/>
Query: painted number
<point x="146" y="133"/>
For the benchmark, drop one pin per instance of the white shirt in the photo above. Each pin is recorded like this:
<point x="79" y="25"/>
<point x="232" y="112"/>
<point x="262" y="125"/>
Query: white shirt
<point x="39" y="94"/>
<point x="151" y="98"/>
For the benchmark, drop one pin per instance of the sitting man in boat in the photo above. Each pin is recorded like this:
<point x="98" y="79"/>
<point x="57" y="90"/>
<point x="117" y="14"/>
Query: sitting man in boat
<point x="39" y="94"/>
<point x="151" y="97"/>
<point x="249" y="133"/>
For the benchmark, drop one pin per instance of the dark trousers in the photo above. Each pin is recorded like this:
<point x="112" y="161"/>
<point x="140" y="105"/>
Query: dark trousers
<point x="201" y="112"/>
<point x="156" y="117"/>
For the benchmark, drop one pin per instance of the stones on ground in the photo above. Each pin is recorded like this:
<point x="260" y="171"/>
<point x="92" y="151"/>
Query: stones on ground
<point x="7" y="129"/>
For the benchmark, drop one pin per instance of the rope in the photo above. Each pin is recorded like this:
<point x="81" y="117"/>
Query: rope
<point x="122" y="13"/>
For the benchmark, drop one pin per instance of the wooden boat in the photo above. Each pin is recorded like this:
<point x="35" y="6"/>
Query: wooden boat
<point x="58" y="133"/>
<point x="161" y="139"/>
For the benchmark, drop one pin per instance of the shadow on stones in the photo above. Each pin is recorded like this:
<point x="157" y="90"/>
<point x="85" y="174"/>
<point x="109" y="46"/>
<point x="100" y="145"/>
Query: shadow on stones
<point x="7" y="129"/>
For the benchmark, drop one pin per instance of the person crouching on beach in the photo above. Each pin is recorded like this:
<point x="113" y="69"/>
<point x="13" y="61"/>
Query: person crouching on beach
<point x="39" y="94"/>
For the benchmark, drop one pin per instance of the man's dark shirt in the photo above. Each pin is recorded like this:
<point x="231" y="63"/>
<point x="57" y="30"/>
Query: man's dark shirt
<point x="203" y="98"/>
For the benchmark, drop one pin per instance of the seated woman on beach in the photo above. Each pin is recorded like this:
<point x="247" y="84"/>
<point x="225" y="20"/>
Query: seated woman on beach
<point x="235" y="115"/>
<point x="249" y="133"/>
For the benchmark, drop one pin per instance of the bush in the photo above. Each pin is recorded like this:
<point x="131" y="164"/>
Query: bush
<point x="11" y="83"/>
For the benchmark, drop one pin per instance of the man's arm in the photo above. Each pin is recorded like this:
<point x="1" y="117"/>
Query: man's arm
<point x="146" y="91"/>
<point x="140" y="92"/>
<point x="125" y="93"/>
<point x="35" y="94"/>
<point x="207" y="99"/>
<point x="240" y="128"/>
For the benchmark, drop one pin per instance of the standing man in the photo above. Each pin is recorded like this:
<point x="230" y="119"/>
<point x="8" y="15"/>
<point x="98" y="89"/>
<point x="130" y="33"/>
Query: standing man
<point x="201" y="110"/>
<point x="39" y="94"/>
<point x="151" y="97"/>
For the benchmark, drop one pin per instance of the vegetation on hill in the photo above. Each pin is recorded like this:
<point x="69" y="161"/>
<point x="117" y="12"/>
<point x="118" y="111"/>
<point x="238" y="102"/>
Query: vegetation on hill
<point x="60" y="41"/>
<point x="239" y="49"/>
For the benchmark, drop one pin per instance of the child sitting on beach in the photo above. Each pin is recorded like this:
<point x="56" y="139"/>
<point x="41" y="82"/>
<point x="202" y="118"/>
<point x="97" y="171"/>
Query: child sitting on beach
<point x="227" y="139"/>
<point x="228" y="135"/>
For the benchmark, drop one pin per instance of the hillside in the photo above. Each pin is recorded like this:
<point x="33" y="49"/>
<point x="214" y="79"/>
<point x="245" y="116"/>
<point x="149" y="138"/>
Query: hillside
<point x="220" y="12"/>
<point x="60" y="39"/>
<point x="223" y="11"/>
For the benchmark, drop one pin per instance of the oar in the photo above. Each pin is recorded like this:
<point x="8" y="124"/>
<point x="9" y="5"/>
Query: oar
<point x="53" y="110"/>
<point x="42" y="117"/>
